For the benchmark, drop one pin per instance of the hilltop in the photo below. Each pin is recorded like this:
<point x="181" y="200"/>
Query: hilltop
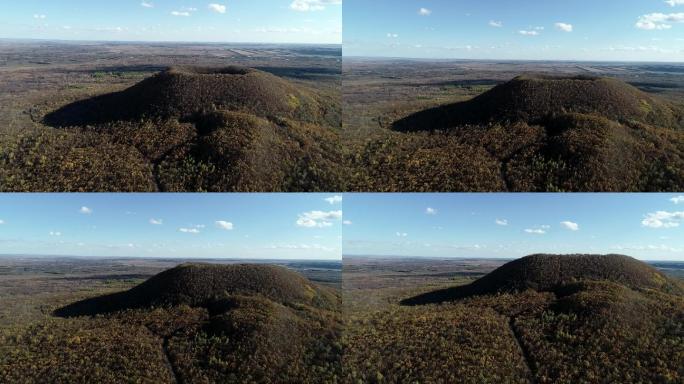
<point x="540" y="319"/>
<point x="553" y="273"/>
<point x="192" y="323"/>
<point x="536" y="99"/>
<point x="533" y="133"/>
<point x="219" y="129"/>
<point x="184" y="91"/>
<point x="205" y="284"/>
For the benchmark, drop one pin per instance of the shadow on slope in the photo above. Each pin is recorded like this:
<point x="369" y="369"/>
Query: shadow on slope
<point x="180" y="92"/>
<point x="186" y="129"/>
<point x="209" y="286"/>
<point x="534" y="99"/>
<point x="221" y="324"/>
<point x="542" y="134"/>
<point x="554" y="273"/>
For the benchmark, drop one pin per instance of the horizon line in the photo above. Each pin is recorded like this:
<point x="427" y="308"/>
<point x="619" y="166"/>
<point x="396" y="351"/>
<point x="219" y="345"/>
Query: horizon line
<point x="158" y="257"/>
<point x="161" y="41"/>
<point x="493" y="258"/>
<point x="396" y="58"/>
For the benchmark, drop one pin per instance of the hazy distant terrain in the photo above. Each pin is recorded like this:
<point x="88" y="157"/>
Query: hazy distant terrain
<point x="177" y="150"/>
<point x="28" y="283"/>
<point x="194" y="323"/>
<point x="36" y="73"/>
<point x="379" y="91"/>
<point x="491" y="154"/>
<point x="420" y="320"/>
<point x="400" y="319"/>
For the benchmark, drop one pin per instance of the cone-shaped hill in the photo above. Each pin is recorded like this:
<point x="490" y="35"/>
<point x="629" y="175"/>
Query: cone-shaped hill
<point x="181" y="92"/>
<point x="535" y="99"/>
<point x="189" y="129"/>
<point x="550" y="273"/>
<point x="205" y="285"/>
<point x="541" y="134"/>
<point x="539" y="319"/>
<point x="223" y="324"/>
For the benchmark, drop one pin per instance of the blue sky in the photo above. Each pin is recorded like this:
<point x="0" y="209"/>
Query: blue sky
<point x="624" y="30"/>
<point x="262" y="21"/>
<point x="646" y="226"/>
<point x="277" y="226"/>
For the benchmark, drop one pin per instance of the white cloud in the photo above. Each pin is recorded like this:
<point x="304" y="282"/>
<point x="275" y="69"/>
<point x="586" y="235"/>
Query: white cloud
<point x="402" y="234"/>
<point x="312" y="5"/>
<point x="147" y="4"/>
<point x="540" y="230"/>
<point x="495" y="24"/>
<point x="218" y="8"/>
<point x="663" y="219"/>
<point x="39" y="17"/>
<point x="318" y="219"/>
<point x="55" y="233"/>
<point x="424" y="12"/>
<point x="640" y="49"/>
<point x="334" y="199"/>
<point x="156" y="221"/>
<point x="673" y="3"/>
<point x="2" y="222"/>
<point x="189" y="230"/>
<point x="677" y="199"/>
<point x="346" y="222"/>
<point x="659" y="21"/>
<point x="228" y="226"/>
<point x="180" y="13"/>
<point x="570" y="225"/>
<point x="430" y="211"/>
<point x="564" y="27"/>
<point x="316" y="247"/>
<point x="502" y="222"/>
<point x="392" y="35"/>
<point x="528" y="33"/>
<point x="651" y="247"/>
<point x="85" y="210"/>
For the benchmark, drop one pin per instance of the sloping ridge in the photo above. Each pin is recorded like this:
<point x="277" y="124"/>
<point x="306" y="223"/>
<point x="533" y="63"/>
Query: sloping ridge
<point x="536" y="98"/>
<point x="183" y="91"/>
<point x="543" y="272"/>
<point x="201" y="285"/>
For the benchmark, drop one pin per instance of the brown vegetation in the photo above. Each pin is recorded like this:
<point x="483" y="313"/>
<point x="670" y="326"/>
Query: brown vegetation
<point x="204" y="284"/>
<point x="195" y="323"/>
<point x="554" y="273"/>
<point x="182" y="92"/>
<point x="185" y="129"/>
<point x="535" y="99"/>
<point x="532" y="134"/>
<point x="547" y="319"/>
